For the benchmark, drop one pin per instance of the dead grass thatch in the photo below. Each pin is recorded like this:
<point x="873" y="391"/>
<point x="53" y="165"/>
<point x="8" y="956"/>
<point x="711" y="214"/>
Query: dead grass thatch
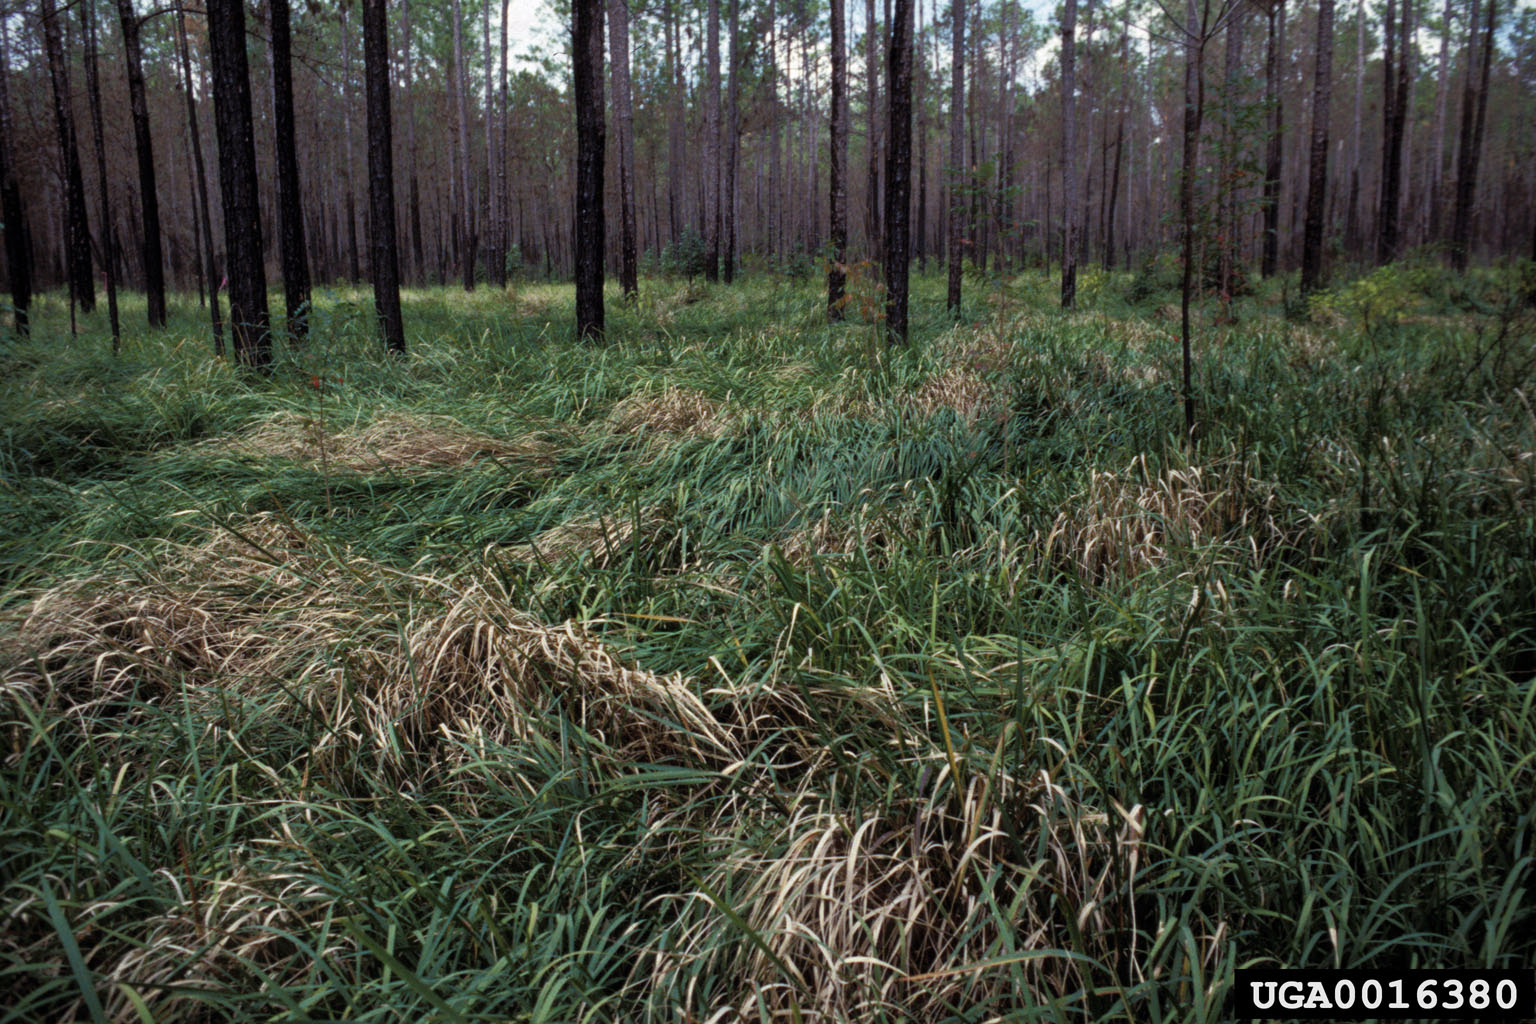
<point x="672" y="410"/>
<point x="392" y="441"/>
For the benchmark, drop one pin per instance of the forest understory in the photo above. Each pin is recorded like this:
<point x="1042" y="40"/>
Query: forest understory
<point x="740" y="667"/>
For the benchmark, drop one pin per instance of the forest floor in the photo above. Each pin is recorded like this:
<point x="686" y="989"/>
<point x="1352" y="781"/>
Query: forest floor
<point x="739" y="668"/>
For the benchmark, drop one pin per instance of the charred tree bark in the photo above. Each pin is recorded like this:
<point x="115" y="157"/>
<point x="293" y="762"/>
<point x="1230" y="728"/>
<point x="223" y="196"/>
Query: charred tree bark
<point x="290" y="212"/>
<point x="18" y="243"/>
<point x="108" y="241"/>
<point x="237" y="183"/>
<point x="82" y="280"/>
<point x="955" y="242"/>
<point x="149" y="202"/>
<point x="1069" y="191"/>
<point x="205" y="219"/>
<point x="1270" y="260"/>
<point x="1317" y="172"/>
<point x="712" y="144"/>
<point x="587" y="55"/>
<point x="898" y="173"/>
<point x="1474" y="109"/>
<point x="385" y="260"/>
<point x="733" y="146"/>
<point x="624" y="129"/>
<point x="467" y="240"/>
<point x="838" y="213"/>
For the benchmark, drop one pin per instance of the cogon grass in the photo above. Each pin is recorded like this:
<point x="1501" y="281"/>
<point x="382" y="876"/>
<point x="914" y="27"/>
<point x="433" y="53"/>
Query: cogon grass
<point x="950" y="688"/>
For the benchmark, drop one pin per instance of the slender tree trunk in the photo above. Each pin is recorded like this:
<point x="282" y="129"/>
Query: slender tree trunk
<point x="1273" y="148"/>
<point x="493" y="254"/>
<point x="1194" y="110"/>
<point x="1317" y="173"/>
<point x="733" y="145"/>
<point x="1233" y="62"/>
<point x="149" y="206"/>
<point x="1069" y="154"/>
<point x="82" y="278"/>
<point x="18" y="242"/>
<point x="1394" y="90"/>
<point x="108" y="241"/>
<point x="898" y="173"/>
<point x="503" y="229"/>
<point x="237" y="183"/>
<point x="349" y="199"/>
<point x="1353" y="230"/>
<point x="624" y="129"/>
<point x="587" y="50"/>
<point x="675" y="171"/>
<point x="838" y="211"/>
<point x="385" y="258"/>
<point x="1114" y="196"/>
<point x="467" y="240"/>
<point x="1436" y="185"/>
<point x="418" y="263"/>
<point x="871" y="132"/>
<point x="1474" y="108"/>
<point x="205" y="218"/>
<point x="956" y="153"/>
<point x="290" y="211"/>
<point x="712" y="144"/>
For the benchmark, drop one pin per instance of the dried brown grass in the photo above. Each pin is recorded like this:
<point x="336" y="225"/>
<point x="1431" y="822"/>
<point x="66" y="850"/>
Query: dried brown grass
<point x="393" y="441"/>
<point x="1125" y="523"/>
<point x="904" y="912"/>
<point x="672" y="410"/>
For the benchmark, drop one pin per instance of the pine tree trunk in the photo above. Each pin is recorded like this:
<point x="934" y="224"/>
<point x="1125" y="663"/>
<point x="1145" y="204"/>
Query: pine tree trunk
<point x="871" y="133"/>
<point x="898" y="173"/>
<point x="1270" y="260"/>
<point x="587" y="50"/>
<point x="838" y="191"/>
<point x="237" y="183"/>
<point x="385" y="258"/>
<point x="493" y="255"/>
<point x="955" y="241"/>
<point x="1394" y="89"/>
<point x="1436" y="184"/>
<point x="1474" y="107"/>
<point x="1317" y="172"/>
<point x="108" y="244"/>
<point x="733" y="145"/>
<point x="624" y="132"/>
<point x="290" y="211"/>
<point x="210" y="269"/>
<point x="18" y="243"/>
<point x="149" y="206"/>
<point x="467" y="241"/>
<point x="1194" y="110"/>
<point x="413" y="200"/>
<point x="712" y="144"/>
<point x="82" y="278"/>
<point x="1069" y="154"/>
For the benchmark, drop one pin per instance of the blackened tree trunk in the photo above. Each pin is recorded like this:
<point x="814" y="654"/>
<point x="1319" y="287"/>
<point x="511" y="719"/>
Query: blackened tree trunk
<point x="838" y="213"/>
<point x="467" y="239"/>
<point x="237" y="183"/>
<point x="871" y="130"/>
<point x="712" y="144"/>
<point x="290" y="212"/>
<point x="1474" y="107"/>
<point x="733" y="147"/>
<point x="149" y="201"/>
<point x="18" y="245"/>
<point x="204" y="217"/>
<point x="624" y="129"/>
<point x="349" y="183"/>
<point x="82" y="280"/>
<point x="1195" y="36"/>
<point x="955" y="242"/>
<point x="1069" y="155"/>
<point x="108" y="242"/>
<point x="413" y="199"/>
<point x="587" y="55"/>
<point x="494" y="257"/>
<point x="898" y="173"/>
<point x="1270" y="259"/>
<point x="385" y="256"/>
<point x="1394" y="91"/>
<point x="1317" y="170"/>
